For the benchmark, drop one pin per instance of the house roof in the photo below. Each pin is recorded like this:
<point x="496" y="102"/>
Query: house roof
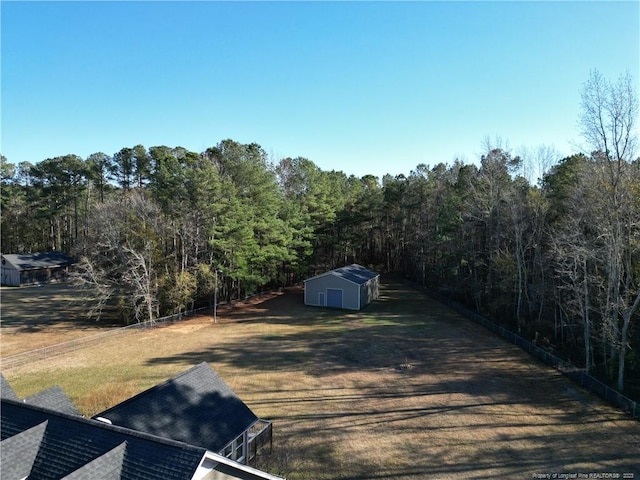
<point x="37" y="442"/>
<point x="353" y="273"/>
<point x="36" y="261"/>
<point x="196" y="407"/>
<point x="44" y="444"/>
<point x="108" y="466"/>
<point x="18" y="453"/>
<point x="53" y="398"/>
<point x="5" y="389"/>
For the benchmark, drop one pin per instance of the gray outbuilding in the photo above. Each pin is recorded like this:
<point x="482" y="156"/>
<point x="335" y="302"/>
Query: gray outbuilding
<point x="32" y="268"/>
<point x="351" y="287"/>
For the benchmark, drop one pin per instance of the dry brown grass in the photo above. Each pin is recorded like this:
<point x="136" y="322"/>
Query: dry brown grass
<point x="39" y="316"/>
<point x="345" y="404"/>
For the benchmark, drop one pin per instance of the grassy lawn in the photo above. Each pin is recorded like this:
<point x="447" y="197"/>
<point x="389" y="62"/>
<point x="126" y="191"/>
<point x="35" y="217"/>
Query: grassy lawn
<point x="39" y="316"/>
<point x="405" y="389"/>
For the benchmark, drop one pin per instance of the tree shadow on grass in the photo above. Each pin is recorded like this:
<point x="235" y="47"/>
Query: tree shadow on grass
<point x="524" y="446"/>
<point x="36" y="308"/>
<point x="405" y="333"/>
<point x="382" y="335"/>
<point x="436" y="369"/>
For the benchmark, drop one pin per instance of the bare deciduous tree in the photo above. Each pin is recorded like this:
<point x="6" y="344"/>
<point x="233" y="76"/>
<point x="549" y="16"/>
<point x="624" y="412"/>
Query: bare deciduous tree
<point x="608" y="119"/>
<point x="608" y="124"/>
<point x="124" y="258"/>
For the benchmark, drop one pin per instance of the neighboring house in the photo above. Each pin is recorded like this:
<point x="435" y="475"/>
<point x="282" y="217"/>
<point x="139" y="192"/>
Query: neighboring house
<point x="32" y="268"/>
<point x="351" y="287"/>
<point x="198" y="408"/>
<point x="37" y="442"/>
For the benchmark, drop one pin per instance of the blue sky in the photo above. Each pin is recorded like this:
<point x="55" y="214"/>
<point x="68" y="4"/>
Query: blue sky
<point x="362" y="87"/>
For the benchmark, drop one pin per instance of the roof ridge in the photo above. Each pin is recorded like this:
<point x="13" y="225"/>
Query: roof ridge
<point x="347" y="269"/>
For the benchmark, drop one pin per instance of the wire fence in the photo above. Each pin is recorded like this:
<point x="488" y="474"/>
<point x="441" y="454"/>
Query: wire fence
<point x="44" y="353"/>
<point x="576" y="374"/>
<point x="50" y="351"/>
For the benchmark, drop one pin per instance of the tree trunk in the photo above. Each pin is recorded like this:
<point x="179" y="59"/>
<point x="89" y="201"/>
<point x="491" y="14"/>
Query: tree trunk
<point x="587" y="322"/>
<point x="626" y="321"/>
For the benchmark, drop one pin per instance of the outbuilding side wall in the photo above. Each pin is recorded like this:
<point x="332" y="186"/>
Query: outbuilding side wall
<point x="16" y="278"/>
<point x="44" y="275"/>
<point x="369" y="291"/>
<point x="351" y="287"/>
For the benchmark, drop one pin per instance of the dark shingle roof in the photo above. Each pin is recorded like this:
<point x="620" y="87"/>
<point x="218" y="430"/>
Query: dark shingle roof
<point x="5" y="389"/>
<point x="18" y="453"/>
<point x="35" y="261"/>
<point x="105" y="467"/>
<point x="53" y="398"/>
<point x="195" y="407"/>
<point x="354" y="273"/>
<point x="74" y="444"/>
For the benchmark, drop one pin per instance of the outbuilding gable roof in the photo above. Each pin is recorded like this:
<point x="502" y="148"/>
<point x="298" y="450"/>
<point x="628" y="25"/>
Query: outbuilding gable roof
<point x="353" y="273"/>
<point x="36" y="261"/>
<point x="195" y="407"/>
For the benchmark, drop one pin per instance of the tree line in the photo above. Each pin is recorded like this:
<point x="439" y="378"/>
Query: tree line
<point x="158" y="230"/>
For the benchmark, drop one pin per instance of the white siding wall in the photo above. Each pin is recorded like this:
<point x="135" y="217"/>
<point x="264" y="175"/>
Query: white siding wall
<point x="350" y="291"/>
